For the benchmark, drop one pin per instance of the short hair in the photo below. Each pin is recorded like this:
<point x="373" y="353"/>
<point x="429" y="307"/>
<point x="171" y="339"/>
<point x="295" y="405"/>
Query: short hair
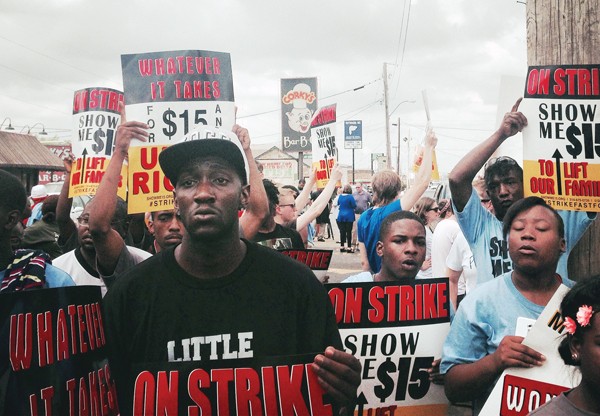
<point x="585" y="292"/>
<point x="272" y="192"/>
<point x="525" y="204"/>
<point x="386" y="185"/>
<point x="292" y="188"/>
<point x="422" y="206"/>
<point x="13" y="195"/>
<point x="347" y="189"/>
<point x="397" y="216"/>
<point x="501" y="166"/>
<point x="286" y="192"/>
<point x="49" y="208"/>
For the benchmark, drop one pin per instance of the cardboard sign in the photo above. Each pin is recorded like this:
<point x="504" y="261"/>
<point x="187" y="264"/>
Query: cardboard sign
<point x="276" y="386"/>
<point x="315" y="259"/>
<point x="396" y="330"/>
<point x="298" y="105"/>
<point x="174" y="93"/>
<point x="96" y="118"/>
<point x="561" y="156"/>
<point x="518" y="391"/>
<point x="324" y="149"/>
<point x="56" y="360"/>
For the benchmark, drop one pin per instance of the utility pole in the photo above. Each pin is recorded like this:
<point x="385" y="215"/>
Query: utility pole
<point x="563" y="33"/>
<point x="388" y="144"/>
<point x="398" y="154"/>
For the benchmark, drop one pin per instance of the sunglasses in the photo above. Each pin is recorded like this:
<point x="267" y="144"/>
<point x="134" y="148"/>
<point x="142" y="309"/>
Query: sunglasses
<point x="436" y="209"/>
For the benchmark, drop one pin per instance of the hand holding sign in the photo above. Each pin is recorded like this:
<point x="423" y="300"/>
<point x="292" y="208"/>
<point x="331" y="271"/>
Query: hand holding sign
<point x="243" y="135"/>
<point x="513" y="353"/>
<point x="339" y="374"/>
<point x="127" y="131"/>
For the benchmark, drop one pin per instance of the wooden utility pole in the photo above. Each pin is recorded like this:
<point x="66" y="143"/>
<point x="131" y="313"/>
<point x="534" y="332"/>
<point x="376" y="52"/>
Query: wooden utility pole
<point x="560" y="33"/>
<point x="388" y="144"/>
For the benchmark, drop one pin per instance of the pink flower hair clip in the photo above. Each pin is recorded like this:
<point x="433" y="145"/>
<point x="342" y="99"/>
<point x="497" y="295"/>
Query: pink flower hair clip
<point x="570" y="325"/>
<point x="584" y="315"/>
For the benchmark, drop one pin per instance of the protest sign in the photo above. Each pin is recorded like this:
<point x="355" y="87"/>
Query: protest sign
<point x="272" y="386"/>
<point x="96" y="117"/>
<point x="518" y="391"/>
<point x="396" y="330"/>
<point x="315" y="259"/>
<point x="56" y="363"/>
<point x="298" y="105"/>
<point x="324" y="150"/>
<point x="561" y="155"/>
<point x="174" y="93"/>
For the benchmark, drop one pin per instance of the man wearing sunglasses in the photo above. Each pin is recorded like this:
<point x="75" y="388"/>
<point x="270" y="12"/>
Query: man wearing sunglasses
<point x="504" y="182"/>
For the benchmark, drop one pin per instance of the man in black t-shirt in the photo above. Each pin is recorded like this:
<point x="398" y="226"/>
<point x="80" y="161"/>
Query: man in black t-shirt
<point x="216" y="286"/>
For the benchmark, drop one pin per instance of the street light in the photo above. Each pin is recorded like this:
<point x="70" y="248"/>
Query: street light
<point x="42" y="133"/>
<point x="387" y="136"/>
<point x="10" y="127"/>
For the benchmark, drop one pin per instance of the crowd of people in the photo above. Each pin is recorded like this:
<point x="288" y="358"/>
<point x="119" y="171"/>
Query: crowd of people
<point x="210" y="261"/>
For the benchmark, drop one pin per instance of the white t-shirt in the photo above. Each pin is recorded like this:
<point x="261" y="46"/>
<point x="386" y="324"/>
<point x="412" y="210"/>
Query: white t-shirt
<point x="443" y="237"/>
<point x="459" y="259"/>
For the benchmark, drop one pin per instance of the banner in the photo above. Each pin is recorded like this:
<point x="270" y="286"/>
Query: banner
<point x="96" y="117"/>
<point x="298" y="105"/>
<point x="274" y="386"/>
<point x="324" y="150"/>
<point x="518" y="391"/>
<point x="314" y="259"/>
<point x="561" y="155"/>
<point x="173" y="92"/>
<point x="55" y="360"/>
<point x="396" y="330"/>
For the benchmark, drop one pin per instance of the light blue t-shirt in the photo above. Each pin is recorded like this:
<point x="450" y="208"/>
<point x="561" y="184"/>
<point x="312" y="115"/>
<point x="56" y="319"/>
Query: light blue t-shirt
<point x="483" y="231"/>
<point x="55" y="277"/>
<point x="368" y="230"/>
<point x="484" y="317"/>
<point x="359" y="278"/>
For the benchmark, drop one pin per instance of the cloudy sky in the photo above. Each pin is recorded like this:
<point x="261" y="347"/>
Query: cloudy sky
<point x="459" y="51"/>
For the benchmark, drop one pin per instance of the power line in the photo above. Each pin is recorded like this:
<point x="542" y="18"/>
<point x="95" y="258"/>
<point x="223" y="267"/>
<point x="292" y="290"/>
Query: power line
<point x="323" y="98"/>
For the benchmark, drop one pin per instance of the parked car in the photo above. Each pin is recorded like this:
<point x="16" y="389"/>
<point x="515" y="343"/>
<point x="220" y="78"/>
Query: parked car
<point x="79" y="202"/>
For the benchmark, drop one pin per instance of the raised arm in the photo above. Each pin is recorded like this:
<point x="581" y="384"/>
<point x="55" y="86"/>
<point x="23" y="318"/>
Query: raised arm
<point x="304" y="196"/>
<point x="258" y="204"/>
<point x="107" y="241"/>
<point x="464" y="172"/>
<point x="322" y="200"/>
<point x="423" y="177"/>
<point x="66" y="226"/>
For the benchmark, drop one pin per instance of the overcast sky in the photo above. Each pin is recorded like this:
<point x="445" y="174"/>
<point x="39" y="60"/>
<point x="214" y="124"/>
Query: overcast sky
<point x="456" y="50"/>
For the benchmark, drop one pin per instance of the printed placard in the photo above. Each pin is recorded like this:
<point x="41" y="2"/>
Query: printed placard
<point x="315" y="259"/>
<point x="174" y="93"/>
<point x="561" y="155"/>
<point x="324" y="150"/>
<point x="353" y="134"/>
<point x="274" y="386"/>
<point x="56" y="361"/>
<point x="396" y="330"/>
<point x="96" y="118"/>
<point x="298" y="105"/>
<point x="518" y="391"/>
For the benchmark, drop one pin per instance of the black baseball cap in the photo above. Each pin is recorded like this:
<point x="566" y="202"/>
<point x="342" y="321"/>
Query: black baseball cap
<point x="200" y="143"/>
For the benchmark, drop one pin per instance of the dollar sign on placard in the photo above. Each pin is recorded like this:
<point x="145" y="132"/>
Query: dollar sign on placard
<point x="171" y="130"/>
<point x="99" y="145"/>
<point x="385" y="390"/>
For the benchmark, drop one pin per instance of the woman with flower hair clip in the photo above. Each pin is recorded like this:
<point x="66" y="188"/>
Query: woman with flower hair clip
<point x="580" y="347"/>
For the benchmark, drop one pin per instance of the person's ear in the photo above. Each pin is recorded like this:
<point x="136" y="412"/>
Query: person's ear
<point x="563" y="245"/>
<point x="11" y="220"/>
<point x="575" y="348"/>
<point x="379" y="248"/>
<point x="244" y="196"/>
